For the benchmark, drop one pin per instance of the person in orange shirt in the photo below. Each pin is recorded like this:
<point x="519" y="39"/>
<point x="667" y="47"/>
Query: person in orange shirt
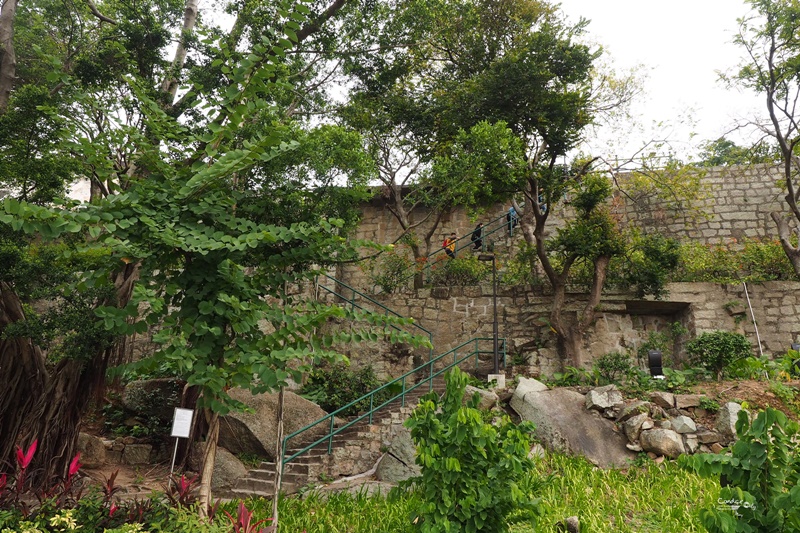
<point x="449" y="246"/>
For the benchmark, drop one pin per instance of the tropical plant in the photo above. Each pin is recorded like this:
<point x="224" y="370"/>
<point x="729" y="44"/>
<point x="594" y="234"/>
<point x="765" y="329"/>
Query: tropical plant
<point x="715" y="350"/>
<point x="759" y="478"/>
<point x="613" y="367"/>
<point x="475" y="475"/>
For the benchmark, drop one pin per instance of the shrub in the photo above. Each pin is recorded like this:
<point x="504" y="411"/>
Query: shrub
<point x="474" y="474"/>
<point x="612" y="367"/>
<point x="717" y="349"/>
<point x="392" y="270"/>
<point x="760" y="477"/>
<point x="460" y="271"/>
<point x="334" y="387"/>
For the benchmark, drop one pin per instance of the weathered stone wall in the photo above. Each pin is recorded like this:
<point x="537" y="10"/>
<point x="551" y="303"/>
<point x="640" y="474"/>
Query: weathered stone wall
<point x="736" y="203"/>
<point x="457" y="314"/>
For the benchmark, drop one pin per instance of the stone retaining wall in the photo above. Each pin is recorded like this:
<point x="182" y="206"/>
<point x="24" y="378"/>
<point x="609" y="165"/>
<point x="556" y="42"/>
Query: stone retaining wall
<point x="456" y="314"/>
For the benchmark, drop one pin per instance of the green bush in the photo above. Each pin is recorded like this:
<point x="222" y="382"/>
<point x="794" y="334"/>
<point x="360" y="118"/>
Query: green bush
<point x="392" y="270"/>
<point x="474" y="475"/>
<point x="460" y="271"/>
<point x="733" y="262"/>
<point x="334" y="387"/>
<point x="760" y="474"/>
<point x="613" y="367"/>
<point x="716" y="350"/>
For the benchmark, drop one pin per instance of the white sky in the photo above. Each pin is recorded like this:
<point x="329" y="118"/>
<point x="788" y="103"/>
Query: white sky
<point x="682" y="45"/>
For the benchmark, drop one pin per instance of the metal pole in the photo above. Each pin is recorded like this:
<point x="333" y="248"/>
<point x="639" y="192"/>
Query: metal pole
<point x="758" y="337"/>
<point x="494" y="325"/>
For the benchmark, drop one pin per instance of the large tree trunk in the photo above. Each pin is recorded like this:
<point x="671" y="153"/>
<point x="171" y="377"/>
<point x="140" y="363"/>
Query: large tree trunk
<point x="52" y="412"/>
<point x="8" y="58"/>
<point x="23" y="377"/>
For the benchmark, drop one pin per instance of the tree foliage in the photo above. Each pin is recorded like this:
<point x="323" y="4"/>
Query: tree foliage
<point x="770" y="37"/>
<point x="475" y="475"/>
<point x="761" y="474"/>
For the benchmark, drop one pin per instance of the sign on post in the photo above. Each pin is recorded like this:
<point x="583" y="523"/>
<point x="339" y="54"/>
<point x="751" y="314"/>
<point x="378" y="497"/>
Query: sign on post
<point x="181" y="428"/>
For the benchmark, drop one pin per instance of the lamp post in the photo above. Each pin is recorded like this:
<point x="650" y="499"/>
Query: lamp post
<point x="495" y="342"/>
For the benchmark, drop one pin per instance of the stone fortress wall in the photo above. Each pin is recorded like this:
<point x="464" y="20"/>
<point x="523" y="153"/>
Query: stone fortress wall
<point x="737" y="205"/>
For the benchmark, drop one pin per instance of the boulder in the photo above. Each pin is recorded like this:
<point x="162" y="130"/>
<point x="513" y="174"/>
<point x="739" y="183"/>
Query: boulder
<point x="690" y="443"/>
<point x="665" y="400"/>
<point x="153" y="398"/>
<point x="706" y="436"/>
<point x="682" y="401"/>
<point x="603" y="398"/>
<point x="399" y="462"/>
<point x="488" y="399"/>
<point x="563" y="424"/>
<point x="255" y="432"/>
<point x="726" y="421"/>
<point x="527" y="385"/>
<point x="662" y="442"/>
<point x="92" y="450"/>
<point x="683" y="424"/>
<point x="633" y="409"/>
<point x="136" y="454"/>
<point x="228" y="469"/>
<point x="633" y="426"/>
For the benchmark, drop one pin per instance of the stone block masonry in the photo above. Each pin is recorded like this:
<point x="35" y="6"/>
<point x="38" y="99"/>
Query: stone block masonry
<point x="624" y="326"/>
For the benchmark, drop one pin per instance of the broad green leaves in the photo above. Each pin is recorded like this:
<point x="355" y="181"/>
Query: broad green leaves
<point x="761" y="472"/>
<point x="473" y="473"/>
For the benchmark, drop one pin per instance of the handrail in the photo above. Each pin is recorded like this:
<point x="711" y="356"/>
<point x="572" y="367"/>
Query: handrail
<point x="502" y="226"/>
<point x="429" y="367"/>
<point x="387" y="311"/>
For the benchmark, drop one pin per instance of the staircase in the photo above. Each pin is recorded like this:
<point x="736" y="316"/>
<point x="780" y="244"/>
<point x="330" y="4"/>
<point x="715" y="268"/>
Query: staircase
<point x="316" y="463"/>
<point x="311" y="458"/>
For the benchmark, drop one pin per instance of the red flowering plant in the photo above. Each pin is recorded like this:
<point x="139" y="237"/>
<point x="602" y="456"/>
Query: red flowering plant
<point x="15" y="491"/>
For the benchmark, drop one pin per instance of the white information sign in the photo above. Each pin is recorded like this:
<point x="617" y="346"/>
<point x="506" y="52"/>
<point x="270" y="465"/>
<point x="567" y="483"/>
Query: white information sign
<point x="182" y="422"/>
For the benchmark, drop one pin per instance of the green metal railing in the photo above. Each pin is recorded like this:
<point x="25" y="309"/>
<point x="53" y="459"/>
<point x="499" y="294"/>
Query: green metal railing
<point x="493" y="227"/>
<point x="354" y="293"/>
<point x="404" y="383"/>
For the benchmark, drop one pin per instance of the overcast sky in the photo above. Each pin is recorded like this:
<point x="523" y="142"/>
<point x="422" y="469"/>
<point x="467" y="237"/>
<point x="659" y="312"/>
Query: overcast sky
<point x="682" y="45"/>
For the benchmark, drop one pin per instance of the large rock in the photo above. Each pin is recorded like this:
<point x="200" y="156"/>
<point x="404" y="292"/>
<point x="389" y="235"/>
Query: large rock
<point x="662" y="442"/>
<point x="228" y="469"/>
<point x="256" y="433"/>
<point x="153" y="398"/>
<point x="399" y="462"/>
<point x="92" y="450"/>
<point x="527" y="385"/>
<point x="488" y="399"/>
<point x="683" y="424"/>
<point x="136" y="454"/>
<point x="633" y="409"/>
<point x="665" y="400"/>
<point x="633" y="426"/>
<point x="603" y="398"/>
<point x="563" y="424"/>
<point x="683" y="401"/>
<point x="726" y="421"/>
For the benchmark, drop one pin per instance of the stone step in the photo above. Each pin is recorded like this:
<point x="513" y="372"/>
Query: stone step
<point x="267" y="483"/>
<point x="291" y="468"/>
<point x="269" y="476"/>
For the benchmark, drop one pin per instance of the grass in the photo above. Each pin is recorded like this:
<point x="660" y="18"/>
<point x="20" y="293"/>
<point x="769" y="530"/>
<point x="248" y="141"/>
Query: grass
<point x="646" y="498"/>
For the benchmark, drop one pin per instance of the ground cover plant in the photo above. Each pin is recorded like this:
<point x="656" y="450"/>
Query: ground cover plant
<point x="759" y="477"/>
<point x="475" y="476"/>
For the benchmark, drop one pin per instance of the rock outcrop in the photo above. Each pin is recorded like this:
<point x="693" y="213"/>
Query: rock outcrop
<point x="256" y="432"/>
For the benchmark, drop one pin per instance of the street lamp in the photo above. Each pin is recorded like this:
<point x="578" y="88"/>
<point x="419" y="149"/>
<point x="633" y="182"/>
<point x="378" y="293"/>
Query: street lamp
<point x="495" y="345"/>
